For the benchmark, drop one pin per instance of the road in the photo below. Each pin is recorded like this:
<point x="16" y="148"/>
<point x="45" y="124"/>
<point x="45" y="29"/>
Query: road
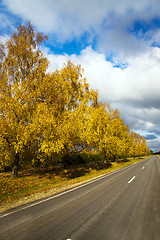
<point x="124" y="205"/>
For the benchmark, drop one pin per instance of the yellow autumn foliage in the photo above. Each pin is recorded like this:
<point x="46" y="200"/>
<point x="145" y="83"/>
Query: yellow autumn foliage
<point x="53" y="113"/>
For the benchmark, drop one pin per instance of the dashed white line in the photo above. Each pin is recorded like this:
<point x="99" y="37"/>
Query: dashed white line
<point x="131" y="179"/>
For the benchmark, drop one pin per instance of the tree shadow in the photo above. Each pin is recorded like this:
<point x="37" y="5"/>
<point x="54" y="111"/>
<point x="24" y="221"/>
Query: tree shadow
<point x="74" y="172"/>
<point x="100" y="165"/>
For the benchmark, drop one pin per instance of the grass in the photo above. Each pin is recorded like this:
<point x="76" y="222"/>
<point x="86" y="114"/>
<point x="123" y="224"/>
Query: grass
<point x="32" y="186"/>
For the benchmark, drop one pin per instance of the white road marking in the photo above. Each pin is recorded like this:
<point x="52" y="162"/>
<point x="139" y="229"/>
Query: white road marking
<point x="142" y="167"/>
<point x="131" y="179"/>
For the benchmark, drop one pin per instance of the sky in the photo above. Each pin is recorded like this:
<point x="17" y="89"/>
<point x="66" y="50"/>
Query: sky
<point x="117" y="43"/>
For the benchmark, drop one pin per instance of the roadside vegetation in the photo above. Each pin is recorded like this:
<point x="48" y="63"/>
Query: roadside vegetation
<point x="31" y="186"/>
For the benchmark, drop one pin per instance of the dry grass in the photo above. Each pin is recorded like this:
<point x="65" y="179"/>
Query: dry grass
<point x="32" y="186"/>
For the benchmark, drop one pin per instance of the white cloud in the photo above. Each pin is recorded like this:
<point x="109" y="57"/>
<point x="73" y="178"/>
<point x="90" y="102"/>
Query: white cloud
<point x="5" y="22"/>
<point x="133" y="90"/>
<point x="136" y="83"/>
<point x="68" y="19"/>
<point x="4" y="38"/>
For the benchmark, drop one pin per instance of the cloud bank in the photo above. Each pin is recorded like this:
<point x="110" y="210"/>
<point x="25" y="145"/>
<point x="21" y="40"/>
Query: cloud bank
<point x="111" y="21"/>
<point x="133" y="90"/>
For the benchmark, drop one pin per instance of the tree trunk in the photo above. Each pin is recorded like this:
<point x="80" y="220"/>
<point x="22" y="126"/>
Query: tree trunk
<point x="15" y="165"/>
<point x="114" y="158"/>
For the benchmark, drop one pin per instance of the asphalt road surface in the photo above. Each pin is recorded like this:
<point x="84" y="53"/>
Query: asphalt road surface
<point x="124" y="205"/>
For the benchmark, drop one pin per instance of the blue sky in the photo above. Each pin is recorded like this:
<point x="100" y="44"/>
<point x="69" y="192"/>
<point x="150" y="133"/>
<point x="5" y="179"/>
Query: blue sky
<point x="117" y="43"/>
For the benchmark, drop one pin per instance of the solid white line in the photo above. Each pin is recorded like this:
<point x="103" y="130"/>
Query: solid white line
<point x="70" y="190"/>
<point x="131" y="179"/>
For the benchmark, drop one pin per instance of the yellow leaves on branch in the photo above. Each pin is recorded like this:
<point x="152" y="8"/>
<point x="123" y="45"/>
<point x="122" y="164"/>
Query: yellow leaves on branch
<point x="48" y="113"/>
